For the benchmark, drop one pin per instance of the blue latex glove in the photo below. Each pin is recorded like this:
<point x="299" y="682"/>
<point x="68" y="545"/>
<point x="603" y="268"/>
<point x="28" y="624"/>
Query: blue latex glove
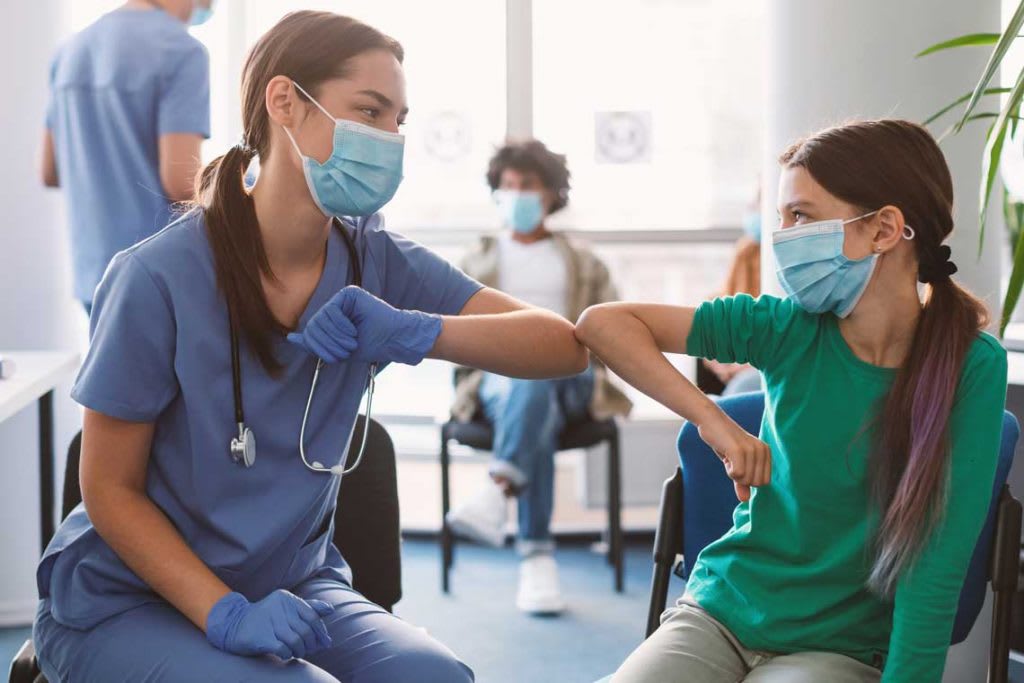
<point x="355" y="324"/>
<point x="281" y="624"/>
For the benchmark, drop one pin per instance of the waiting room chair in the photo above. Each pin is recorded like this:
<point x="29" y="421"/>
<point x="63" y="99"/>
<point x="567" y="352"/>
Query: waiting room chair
<point x="479" y="434"/>
<point x="366" y="527"/>
<point x="697" y="503"/>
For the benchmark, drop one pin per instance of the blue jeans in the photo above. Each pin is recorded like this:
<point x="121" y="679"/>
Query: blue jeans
<point x="528" y="417"/>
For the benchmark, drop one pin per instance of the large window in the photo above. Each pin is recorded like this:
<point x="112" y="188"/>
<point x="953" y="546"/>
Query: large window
<point x="655" y="102"/>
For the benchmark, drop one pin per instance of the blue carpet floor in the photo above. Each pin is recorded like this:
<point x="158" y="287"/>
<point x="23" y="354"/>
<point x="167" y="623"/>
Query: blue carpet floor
<point x="480" y="622"/>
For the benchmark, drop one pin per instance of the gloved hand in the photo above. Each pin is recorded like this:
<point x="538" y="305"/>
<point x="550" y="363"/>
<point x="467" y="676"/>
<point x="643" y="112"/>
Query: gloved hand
<point x="282" y="624"/>
<point x="355" y="324"/>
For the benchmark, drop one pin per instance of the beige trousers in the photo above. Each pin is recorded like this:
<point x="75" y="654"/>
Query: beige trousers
<point x="691" y="646"/>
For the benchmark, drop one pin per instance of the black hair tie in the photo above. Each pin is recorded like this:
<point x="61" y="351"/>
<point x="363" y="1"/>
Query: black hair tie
<point x="243" y="147"/>
<point x="938" y="269"/>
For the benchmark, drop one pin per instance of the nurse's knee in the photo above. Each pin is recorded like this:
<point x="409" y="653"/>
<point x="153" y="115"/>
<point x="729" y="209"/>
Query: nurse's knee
<point x="271" y="670"/>
<point x="429" y="662"/>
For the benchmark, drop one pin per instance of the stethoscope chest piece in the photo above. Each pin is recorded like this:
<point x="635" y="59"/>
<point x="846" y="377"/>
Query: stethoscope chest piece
<point x="243" y="447"/>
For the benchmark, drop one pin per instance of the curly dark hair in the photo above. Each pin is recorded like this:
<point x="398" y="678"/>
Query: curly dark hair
<point x="531" y="156"/>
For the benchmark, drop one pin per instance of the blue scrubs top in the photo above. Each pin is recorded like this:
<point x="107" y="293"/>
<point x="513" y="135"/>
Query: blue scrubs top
<point x="160" y="352"/>
<point x="115" y="88"/>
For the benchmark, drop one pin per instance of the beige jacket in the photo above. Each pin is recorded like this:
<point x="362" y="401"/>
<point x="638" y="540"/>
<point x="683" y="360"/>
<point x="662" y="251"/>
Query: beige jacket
<point x="589" y="284"/>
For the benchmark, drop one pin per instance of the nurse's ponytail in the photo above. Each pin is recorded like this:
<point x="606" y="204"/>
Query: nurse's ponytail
<point x="309" y="48"/>
<point x="238" y="253"/>
<point x="871" y="164"/>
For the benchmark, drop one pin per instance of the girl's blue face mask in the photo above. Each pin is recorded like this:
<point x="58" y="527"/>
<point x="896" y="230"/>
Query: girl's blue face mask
<point x="363" y="172"/>
<point x="521" y="211"/>
<point x="815" y="273"/>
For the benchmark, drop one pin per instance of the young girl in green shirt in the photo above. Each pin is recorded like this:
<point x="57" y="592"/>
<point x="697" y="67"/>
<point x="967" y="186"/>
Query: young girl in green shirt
<point x="862" y="501"/>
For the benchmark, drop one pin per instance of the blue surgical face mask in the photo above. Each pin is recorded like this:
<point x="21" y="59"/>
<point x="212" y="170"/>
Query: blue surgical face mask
<point x="521" y="211"/>
<point x="363" y="172"/>
<point x="200" y="14"/>
<point x="752" y="225"/>
<point x="815" y="273"/>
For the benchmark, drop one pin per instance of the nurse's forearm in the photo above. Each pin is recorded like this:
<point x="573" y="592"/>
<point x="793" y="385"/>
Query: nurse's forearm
<point x="148" y="543"/>
<point x="530" y="343"/>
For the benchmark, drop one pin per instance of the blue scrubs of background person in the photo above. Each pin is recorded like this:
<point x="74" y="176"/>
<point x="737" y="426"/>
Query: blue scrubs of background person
<point x="182" y="563"/>
<point x="129" y="105"/>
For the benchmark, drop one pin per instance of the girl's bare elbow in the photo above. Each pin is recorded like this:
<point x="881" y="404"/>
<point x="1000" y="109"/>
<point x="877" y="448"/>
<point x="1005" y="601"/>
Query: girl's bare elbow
<point x="590" y="323"/>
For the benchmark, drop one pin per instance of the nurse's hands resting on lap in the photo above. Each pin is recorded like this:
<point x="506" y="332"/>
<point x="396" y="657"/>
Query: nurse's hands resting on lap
<point x="281" y="624"/>
<point x="355" y="324"/>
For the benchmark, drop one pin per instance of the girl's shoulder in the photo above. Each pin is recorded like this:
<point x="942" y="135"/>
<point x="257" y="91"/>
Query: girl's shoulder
<point x="985" y="351"/>
<point x="984" y="371"/>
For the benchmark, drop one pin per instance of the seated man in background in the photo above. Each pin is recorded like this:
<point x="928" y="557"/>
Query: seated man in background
<point x="544" y="269"/>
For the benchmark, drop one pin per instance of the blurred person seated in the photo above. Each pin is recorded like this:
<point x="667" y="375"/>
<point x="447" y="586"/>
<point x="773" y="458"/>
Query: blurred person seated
<point x="548" y="270"/>
<point x="744" y="277"/>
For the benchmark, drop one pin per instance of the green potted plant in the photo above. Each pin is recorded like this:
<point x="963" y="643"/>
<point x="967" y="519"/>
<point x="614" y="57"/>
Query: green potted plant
<point x="982" y="104"/>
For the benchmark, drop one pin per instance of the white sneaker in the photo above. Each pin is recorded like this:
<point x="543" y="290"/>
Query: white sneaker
<point x="538" y="585"/>
<point x="482" y="518"/>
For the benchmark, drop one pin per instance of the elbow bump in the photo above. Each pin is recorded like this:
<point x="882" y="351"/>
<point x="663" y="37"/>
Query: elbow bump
<point x="583" y="361"/>
<point x="589" y="322"/>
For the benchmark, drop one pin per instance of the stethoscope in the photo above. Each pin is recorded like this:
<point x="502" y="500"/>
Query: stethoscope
<point x="243" y="447"/>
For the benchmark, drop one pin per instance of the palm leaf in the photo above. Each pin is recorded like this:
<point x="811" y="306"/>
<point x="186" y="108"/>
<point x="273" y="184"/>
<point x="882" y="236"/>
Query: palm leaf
<point x="994" y="149"/>
<point x="962" y="41"/>
<point x="1013" y="290"/>
<point x="960" y="100"/>
<point x="994" y="60"/>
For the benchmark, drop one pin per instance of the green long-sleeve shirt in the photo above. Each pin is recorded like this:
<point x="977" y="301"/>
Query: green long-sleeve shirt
<point x="790" y="575"/>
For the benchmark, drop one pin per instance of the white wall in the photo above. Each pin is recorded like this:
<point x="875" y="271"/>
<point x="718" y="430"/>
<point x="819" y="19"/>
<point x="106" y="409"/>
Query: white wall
<point x="36" y="307"/>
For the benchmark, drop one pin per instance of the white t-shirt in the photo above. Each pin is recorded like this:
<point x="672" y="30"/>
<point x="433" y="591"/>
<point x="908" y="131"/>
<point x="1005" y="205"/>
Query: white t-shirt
<point x="534" y="273"/>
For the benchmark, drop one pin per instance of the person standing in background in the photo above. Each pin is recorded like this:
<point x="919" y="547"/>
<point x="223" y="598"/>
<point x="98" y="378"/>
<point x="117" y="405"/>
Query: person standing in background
<point x="546" y="270"/>
<point x="129" y="107"/>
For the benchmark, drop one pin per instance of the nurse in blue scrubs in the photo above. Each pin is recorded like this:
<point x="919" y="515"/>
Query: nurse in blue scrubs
<point x="203" y="550"/>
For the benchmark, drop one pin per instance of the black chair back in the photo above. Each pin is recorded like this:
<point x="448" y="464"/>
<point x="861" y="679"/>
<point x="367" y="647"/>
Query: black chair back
<point x="366" y="521"/>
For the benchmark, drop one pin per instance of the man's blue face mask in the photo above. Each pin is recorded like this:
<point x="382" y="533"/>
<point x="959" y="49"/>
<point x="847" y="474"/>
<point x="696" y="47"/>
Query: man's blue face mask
<point x="521" y="211"/>
<point x="363" y="172"/>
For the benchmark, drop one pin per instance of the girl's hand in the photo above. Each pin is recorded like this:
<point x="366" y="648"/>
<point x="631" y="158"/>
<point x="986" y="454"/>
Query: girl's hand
<point x="747" y="459"/>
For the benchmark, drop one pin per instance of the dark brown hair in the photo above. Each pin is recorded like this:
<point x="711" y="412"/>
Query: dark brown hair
<point x="309" y="48"/>
<point x="871" y="164"/>
<point x="531" y="156"/>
